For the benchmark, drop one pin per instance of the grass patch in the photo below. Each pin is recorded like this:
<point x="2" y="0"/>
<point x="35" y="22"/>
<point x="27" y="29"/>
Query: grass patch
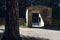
<point x="23" y="25"/>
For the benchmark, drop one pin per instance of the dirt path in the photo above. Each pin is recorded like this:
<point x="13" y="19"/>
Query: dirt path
<point x="36" y="34"/>
<point x="40" y="33"/>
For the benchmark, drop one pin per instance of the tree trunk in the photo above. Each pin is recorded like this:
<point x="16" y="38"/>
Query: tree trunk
<point x="11" y="25"/>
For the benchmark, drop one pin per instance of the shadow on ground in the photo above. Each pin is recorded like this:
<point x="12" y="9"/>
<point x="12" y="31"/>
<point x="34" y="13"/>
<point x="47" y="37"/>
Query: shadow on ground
<point x="57" y="28"/>
<point x="32" y="38"/>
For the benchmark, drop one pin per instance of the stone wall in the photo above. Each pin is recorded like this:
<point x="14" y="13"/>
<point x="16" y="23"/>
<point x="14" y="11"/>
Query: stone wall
<point x="45" y="12"/>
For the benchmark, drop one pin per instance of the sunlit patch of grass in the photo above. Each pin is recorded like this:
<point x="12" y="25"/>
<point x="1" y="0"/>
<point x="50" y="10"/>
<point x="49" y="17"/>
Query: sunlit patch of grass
<point x="23" y="25"/>
<point x="2" y="24"/>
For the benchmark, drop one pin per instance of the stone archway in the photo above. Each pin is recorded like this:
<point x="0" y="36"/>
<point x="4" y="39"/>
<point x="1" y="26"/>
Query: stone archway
<point x="45" y="12"/>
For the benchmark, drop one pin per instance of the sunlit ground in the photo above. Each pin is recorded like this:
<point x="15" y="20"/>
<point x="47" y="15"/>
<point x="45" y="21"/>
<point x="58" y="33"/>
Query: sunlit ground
<point x="40" y="33"/>
<point x="2" y="27"/>
<point x="36" y="33"/>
